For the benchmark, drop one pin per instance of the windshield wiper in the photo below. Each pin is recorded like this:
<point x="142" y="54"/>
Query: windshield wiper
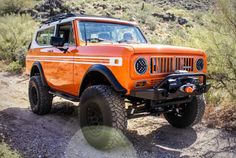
<point x="97" y="40"/>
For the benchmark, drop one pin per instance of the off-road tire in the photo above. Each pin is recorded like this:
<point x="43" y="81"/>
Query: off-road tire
<point x="111" y="107"/>
<point x="192" y="114"/>
<point x="39" y="97"/>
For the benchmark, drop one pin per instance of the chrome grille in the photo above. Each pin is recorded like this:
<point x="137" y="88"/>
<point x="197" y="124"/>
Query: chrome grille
<point x="183" y="63"/>
<point x="170" y="64"/>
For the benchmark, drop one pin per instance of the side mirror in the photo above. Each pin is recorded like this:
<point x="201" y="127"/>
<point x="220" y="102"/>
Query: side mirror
<point x="57" y="41"/>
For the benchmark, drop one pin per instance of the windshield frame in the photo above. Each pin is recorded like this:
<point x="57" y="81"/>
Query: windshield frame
<point x="108" y="22"/>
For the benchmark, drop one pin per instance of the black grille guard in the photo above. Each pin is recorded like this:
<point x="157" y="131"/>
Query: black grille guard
<point x="159" y="93"/>
<point x="175" y="76"/>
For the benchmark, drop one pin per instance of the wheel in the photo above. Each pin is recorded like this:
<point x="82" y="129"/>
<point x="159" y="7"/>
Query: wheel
<point x="103" y="116"/>
<point x="187" y="114"/>
<point x="40" y="99"/>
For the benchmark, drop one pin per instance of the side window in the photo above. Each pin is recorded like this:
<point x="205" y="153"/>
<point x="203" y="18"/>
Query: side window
<point x="82" y="31"/>
<point x="66" y="32"/>
<point x="43" y="37"/>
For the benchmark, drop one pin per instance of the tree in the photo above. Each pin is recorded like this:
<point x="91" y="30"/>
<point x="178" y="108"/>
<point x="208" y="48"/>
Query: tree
<point x="217" y="36"/>
<point x="223" y="69"/>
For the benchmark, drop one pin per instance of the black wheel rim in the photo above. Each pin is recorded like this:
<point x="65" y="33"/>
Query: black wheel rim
<point x="34" y="96"/>
<point x="180" y="110"/>
<point x="94" y="115"/>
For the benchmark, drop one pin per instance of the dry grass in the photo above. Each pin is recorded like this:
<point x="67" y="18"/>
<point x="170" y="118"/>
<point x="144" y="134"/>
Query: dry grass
<point x="221" y="116"/>
<point x="3" y="66"/>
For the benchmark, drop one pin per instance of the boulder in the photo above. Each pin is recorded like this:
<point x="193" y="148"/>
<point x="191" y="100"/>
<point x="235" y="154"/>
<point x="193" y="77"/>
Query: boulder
<point x="169" y="17"/>
<point x="52" y="7"/>
<point x="157" y="15"/>
<point x="165" y="17"/>
<point x="182" y="21"/>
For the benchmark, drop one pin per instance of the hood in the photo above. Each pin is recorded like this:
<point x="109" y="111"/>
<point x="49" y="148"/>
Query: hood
<point x="157" y="49"/>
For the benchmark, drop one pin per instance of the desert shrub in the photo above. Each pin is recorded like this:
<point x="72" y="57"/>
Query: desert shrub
<point x="14" y="6"/>
<point x="151" y="23"/>
<point x="217" y="37"/>
<point x="223" y="116"/>
<point x="15" y="36"/>
<point x="14" y="67"/>
<point x="6" y="152"/>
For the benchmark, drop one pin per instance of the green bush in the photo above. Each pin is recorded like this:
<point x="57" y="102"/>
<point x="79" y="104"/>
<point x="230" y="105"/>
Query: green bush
<point x="6" y="152"/>
<point x="15" y="36"/>
<point x="14" y="67"/>
<point x="14" y="6"/>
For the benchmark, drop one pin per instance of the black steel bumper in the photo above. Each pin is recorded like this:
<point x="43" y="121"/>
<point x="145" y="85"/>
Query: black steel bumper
<point x="162" y="94"/>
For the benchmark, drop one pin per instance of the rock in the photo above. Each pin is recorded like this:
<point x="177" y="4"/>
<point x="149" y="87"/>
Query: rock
<point x="182" y="21"/>
<point x="118" y="7"/>
<point x="233" y="124"/>
<point x="190" y="6"/>
<point x="52" y="7"/>
<point x="104" y="6"/>
<point x="108" y="13"/>
<point x="187" y="4"/>
<point x="165" y="17"/>
<point x="82" y="12"/>
<point x="98" y="5"/>
<point x="211" y="124"/>
<point x="189" y="25"/>
<point x="157" y="15"/>
<point x="169" y="17"/>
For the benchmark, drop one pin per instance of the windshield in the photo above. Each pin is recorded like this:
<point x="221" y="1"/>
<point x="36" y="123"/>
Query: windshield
<point x="96" y="32"/>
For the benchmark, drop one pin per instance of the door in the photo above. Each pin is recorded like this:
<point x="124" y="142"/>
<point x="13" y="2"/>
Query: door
<point x="63" y="57"/>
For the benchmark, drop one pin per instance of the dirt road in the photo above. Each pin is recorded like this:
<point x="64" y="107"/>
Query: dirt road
<point x="58" y="134"/>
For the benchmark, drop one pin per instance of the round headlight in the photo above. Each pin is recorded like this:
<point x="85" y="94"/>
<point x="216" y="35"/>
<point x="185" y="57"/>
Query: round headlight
<point x="141" y="66"/>
<point x="200" y="64"/>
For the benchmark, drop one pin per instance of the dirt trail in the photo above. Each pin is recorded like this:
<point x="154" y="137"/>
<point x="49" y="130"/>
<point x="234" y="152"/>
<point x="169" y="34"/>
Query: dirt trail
<point x="58" y="134"/>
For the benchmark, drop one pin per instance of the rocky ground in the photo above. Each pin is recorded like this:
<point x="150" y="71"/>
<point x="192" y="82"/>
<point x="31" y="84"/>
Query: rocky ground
<point x="46" y="8"/>
<point x="187" y="4"/>
<point x="58" y="134"/>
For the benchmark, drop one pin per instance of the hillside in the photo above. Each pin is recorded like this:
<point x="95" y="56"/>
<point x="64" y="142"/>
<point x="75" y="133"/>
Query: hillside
<point x="158" y="19"/>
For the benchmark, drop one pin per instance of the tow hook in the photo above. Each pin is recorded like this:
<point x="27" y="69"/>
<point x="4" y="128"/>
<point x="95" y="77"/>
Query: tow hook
<point x="188" y="88"/>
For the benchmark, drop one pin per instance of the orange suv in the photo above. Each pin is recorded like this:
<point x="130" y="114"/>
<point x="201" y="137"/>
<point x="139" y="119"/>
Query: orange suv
<point x="108" y="66"/>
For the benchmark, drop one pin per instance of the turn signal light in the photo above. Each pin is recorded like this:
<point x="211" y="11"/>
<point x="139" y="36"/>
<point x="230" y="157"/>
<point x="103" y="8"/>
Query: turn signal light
<point x="140" y="84"/>
<point x="189" y="90"/>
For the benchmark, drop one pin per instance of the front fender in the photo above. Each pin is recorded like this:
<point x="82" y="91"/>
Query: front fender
<point x="108" y="75"/>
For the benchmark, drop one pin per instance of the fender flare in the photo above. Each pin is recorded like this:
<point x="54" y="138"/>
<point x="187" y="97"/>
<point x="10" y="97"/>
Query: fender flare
<point x="109" y="76"/>
<point x="38" y="65"/>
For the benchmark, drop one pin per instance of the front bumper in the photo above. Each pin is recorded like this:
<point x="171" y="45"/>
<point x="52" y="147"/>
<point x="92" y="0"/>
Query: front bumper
<point x="162" y="94"/>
